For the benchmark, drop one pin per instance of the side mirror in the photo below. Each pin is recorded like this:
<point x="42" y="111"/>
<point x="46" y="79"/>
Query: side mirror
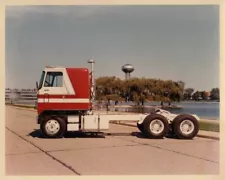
<point x="37" y="85"/>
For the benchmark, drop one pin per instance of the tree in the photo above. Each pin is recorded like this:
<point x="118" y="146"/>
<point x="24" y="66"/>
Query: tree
<point x="204" y="95"/>
<point x="188" y="93"/>
<point x="180" y="92"/>
<point x="196" y="96"/>
<point x="139" y="90"/>
<point x="215" y="94"/>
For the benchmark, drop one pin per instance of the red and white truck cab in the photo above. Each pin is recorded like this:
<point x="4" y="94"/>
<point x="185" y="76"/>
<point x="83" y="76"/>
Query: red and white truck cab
<point x="65" y="103"/>
<point x="64" y="89"/>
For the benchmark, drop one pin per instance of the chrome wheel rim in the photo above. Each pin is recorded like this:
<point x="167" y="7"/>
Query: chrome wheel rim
<point x="52" y="126"/>
<point x="156" y="126"/>
<point x="187" y="127"/>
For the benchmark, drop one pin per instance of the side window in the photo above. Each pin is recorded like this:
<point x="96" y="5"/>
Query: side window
<point x="54" y="79"/>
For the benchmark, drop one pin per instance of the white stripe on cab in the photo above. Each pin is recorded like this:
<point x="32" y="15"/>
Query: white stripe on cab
<point x="61" y="100"/>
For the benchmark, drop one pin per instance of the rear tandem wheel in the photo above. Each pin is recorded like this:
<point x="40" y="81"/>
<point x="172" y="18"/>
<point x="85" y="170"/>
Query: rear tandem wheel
<point x="140" y="127"/>
<point x="155" y="126"/>
<point x="185" y="126"/>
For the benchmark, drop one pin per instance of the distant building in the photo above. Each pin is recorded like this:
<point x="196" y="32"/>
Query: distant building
<point x="20" y="96"/>
<point x="208" y="95"/>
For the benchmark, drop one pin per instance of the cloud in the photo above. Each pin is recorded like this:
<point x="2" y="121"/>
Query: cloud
<point x="77" y="11"/>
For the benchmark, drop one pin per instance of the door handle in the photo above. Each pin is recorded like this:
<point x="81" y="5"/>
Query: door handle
<point x="46" y="90"/>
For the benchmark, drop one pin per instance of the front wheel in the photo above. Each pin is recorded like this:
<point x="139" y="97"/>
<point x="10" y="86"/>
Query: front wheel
<point x="185" y="126"/>
<point x="53" y="127"/>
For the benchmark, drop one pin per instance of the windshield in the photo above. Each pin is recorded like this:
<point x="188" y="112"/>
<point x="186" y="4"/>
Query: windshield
<point x="41" y="80"/>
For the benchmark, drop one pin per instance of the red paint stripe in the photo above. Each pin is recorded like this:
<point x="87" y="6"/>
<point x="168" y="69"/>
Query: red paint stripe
<point x="62" y="106"/>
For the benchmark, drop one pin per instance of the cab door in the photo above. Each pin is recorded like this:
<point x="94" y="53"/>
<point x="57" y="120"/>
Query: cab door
<point x="53" y="88"/>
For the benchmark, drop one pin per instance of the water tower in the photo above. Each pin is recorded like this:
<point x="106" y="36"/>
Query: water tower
<point x="127" y="69"/>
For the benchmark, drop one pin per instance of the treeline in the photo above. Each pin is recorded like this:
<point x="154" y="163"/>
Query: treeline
<point x="190" y="94"/>
<point x="139" y="90"/>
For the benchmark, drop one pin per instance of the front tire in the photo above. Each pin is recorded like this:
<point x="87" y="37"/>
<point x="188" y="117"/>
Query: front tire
<point x="155" y="126"/>
<point x="53" y="127"/>
<point x="185" y="126"/>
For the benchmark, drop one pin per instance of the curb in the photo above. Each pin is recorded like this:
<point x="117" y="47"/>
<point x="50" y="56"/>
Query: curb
<point x="125" y="124"/>
<point x="23" y="108"/>
<point x="198" y="135"/>
<point x="208" y="137"/>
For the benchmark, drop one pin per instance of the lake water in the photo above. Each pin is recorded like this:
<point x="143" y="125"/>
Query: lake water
<point x="208" y="110"/>
<point x="203" y="110"/>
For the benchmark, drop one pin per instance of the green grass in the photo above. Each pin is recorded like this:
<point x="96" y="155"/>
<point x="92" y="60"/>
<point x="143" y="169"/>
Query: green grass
<point x="23" y="106"/>
<point x="209" y="126"/>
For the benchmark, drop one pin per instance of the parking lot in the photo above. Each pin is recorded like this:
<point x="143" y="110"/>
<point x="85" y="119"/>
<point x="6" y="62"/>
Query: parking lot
<point x="120" y="151"/>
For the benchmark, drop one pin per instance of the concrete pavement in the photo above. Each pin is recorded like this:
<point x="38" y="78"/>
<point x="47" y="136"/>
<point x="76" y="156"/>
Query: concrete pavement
<point x="122" y="151"/>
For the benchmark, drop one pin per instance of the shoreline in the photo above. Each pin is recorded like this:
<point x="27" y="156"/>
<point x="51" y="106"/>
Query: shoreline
<point x="204" y="120"/>
<point x="123" y="108"/>
<point x="146" y="106"/>
<point x="103" y="109"/>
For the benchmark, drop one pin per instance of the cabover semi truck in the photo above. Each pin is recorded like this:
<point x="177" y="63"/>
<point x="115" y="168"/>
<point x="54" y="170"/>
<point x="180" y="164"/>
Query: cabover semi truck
<point x="65" y="97"/>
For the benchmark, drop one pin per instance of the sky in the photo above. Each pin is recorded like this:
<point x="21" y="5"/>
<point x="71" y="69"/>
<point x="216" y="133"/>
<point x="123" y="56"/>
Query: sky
<point x="162" y="42"/>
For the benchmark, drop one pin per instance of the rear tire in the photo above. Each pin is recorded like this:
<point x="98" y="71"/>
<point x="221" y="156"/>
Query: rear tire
<point x="53" y="127"/>
<point x="185" y="126"/>
<point x="140" y="127"/>
<point x="155" y="126"/>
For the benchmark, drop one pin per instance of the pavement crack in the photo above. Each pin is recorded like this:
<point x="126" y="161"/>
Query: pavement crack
<point x="165" y="149"/>
<point x="54" y="158"/>
<point x="104" y="147"/>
